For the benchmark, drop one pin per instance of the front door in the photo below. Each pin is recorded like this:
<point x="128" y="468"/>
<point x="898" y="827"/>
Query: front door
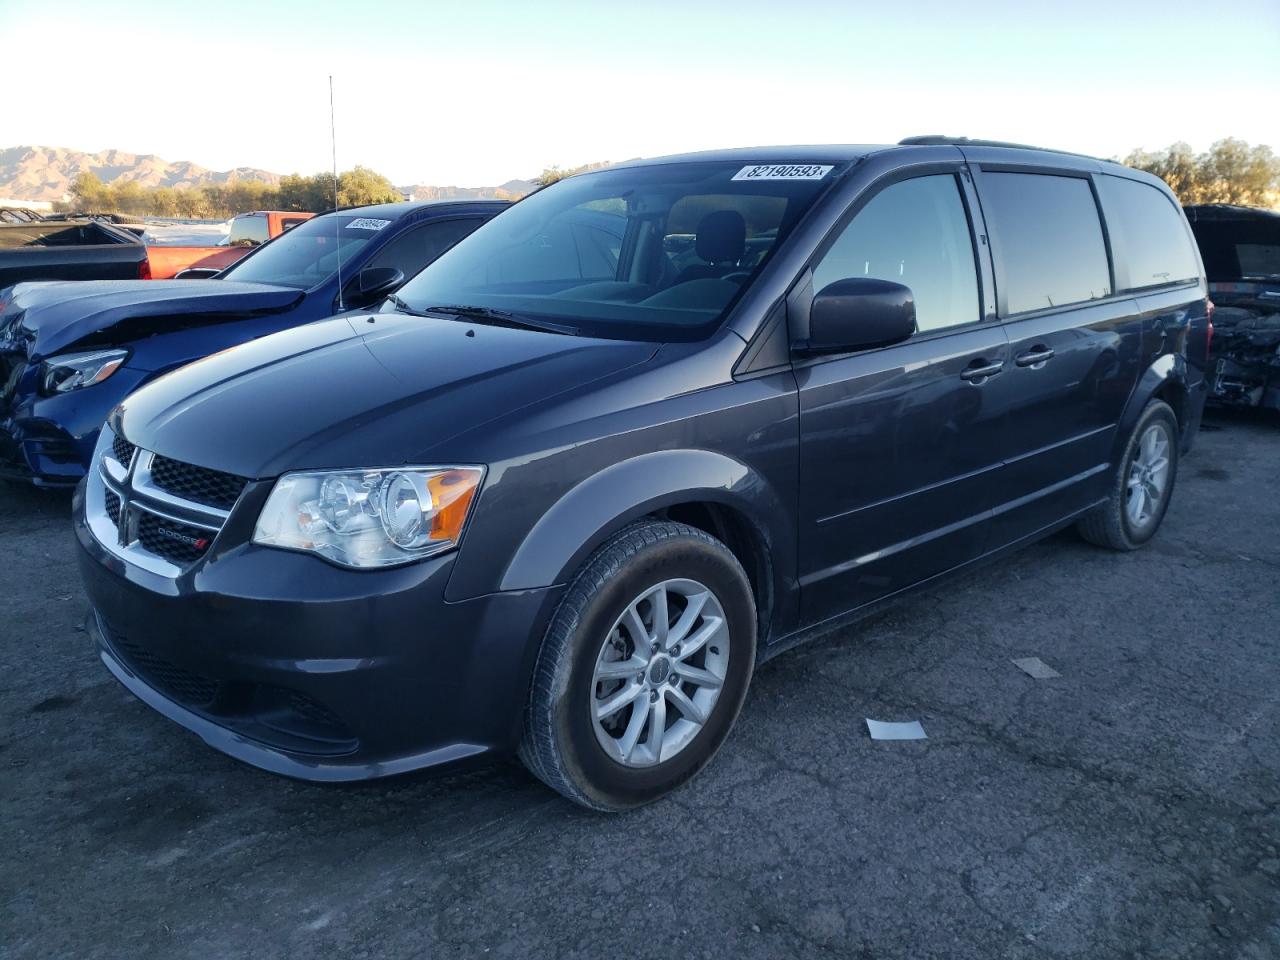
<point x="900" y="446"/>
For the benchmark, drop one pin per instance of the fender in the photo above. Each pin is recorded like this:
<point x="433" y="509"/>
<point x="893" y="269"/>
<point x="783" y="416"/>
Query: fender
<point x="595" y="509"/>
<point x="1167" y="370"/>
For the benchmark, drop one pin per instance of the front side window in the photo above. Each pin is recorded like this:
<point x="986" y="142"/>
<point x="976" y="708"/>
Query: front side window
<point x="657" y="252"/>
<point x="915" y="233"/>
<point x="418" y="246"/>
<point x="309" y="253"/>
<point x="1050" y="240"/>
<point x="1148" y="231"/>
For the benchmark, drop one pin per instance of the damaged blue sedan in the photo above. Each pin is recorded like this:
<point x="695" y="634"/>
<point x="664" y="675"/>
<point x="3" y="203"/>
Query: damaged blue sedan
<point x="71" y="351"/>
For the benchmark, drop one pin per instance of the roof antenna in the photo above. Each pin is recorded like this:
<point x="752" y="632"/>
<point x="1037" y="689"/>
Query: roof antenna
<point x="337" y="225"/>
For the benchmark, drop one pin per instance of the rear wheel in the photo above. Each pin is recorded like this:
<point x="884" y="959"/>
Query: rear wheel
<point x="1142" y="484"/>
<point x="643" y="669"/>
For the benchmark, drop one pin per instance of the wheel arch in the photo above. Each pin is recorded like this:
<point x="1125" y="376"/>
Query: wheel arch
<point x="710" y="491"/>
<point x="1166" y="379"/>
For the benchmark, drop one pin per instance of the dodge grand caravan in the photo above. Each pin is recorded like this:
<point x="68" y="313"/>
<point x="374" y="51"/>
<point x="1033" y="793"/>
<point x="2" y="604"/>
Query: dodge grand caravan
<point x="564" y="491"/>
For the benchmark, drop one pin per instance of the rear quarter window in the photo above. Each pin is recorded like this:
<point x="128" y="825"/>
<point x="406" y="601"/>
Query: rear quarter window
<point x="1049" y="239"/>
<point x="1148" y="235"/>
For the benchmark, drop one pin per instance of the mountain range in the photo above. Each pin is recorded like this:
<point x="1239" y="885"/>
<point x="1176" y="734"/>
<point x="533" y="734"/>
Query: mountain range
<point x="46" y="173"/>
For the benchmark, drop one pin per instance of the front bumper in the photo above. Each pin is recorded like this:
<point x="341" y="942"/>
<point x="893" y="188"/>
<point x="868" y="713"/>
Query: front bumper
<point x="301" y="668"/>
<point x="49" y="441"/>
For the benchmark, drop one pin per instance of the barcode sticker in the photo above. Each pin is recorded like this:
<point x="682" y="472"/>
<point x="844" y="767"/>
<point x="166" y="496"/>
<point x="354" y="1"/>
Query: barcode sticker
<point x="783" y="171"/>
<point x="367" y="223"/>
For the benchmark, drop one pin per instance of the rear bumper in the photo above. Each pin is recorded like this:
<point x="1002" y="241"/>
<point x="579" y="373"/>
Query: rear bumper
<point x="307" y="670"/>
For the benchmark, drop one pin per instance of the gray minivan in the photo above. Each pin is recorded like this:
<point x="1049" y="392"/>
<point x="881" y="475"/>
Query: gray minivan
<point x="651" y="425"/>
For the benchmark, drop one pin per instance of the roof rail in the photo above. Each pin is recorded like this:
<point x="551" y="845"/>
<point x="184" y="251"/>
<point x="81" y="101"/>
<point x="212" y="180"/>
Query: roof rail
<point x="940" y="140"/>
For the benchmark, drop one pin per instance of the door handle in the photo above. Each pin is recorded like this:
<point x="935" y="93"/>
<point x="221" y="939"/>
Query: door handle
<point x="1034" y="356"/>
<point x="980" y="370"/>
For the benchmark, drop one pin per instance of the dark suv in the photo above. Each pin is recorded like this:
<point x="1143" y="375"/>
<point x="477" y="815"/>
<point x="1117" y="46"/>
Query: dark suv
<point x="647" y="427"/>
<point x="1240" y="247"/>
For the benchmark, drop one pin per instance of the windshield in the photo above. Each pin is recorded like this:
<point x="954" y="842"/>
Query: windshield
<point x="308" y="254"/>
<point x="647" y="253"/>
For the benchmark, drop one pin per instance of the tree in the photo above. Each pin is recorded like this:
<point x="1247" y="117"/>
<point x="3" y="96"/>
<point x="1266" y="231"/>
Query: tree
<point x="551" y="174"/>
<point x="361" y="185"/>
<point x="315" y="194"/>
<point x="1231" y="171"/>
<point x="89" y="193"/>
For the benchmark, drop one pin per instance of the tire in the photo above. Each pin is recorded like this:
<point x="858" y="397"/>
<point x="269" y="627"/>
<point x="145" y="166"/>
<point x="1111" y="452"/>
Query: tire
<point x="1113" y="524"/>
<point x="565" y="743"/>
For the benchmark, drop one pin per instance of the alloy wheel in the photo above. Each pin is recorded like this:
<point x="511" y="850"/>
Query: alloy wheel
<point x="659" y="673"/>
<point x="1148" y="476"/>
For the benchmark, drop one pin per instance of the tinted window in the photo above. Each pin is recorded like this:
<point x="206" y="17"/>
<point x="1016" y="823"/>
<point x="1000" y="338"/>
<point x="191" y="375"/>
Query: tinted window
<point x="1050" y="240"/>
<point x="418" y="246"/>
<point x="696" y="234"/>
<point x="914" y="233"/>
<point x="248" y="231"/>
<point x="1147" y="232"/>
<point x="1240" y="249"/>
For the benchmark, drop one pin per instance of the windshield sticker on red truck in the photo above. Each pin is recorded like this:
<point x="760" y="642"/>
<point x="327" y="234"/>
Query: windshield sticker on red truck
<point x="783" y="171"/>
<point x="367" y="223"/>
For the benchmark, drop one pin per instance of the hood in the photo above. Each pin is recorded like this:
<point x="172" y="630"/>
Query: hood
<point x="45" y="318"/>
<point x="358" y="391"/>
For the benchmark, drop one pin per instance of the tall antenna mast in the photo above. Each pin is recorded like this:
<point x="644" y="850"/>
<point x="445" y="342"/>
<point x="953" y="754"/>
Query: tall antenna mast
<point x="337" y="226"/>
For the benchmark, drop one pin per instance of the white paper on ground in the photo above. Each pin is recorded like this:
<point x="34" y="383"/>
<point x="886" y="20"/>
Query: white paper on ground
<point x="1037" y="668"/>
<point x="895" y="731"/>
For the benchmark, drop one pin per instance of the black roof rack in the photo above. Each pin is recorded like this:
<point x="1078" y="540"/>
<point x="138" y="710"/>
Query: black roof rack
<point x="940" y="140"/>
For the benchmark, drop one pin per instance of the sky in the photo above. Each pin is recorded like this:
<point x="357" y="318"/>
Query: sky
<point x="475" y="93"/>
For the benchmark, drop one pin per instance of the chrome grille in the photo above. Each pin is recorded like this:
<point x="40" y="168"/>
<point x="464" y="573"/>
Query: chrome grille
<point x="211" y="487"/>
<point x="122" y="450"/>
<point x="179" y="542"/>
<point x="146" y="519"/>
<point x="113" y="506"/>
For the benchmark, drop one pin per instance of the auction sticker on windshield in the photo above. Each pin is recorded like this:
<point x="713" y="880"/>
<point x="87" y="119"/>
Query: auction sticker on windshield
<point x="367" y="223"/>
<point x="783" y="171"/>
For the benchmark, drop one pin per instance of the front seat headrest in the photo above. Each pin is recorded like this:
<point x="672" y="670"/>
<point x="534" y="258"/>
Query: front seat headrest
<point x="721" y="236"/>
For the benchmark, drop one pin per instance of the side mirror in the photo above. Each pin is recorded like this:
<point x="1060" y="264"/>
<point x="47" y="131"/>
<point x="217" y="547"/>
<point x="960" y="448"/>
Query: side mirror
<point x="197" y="273"/>
<point x="372" y="284"/>
<point x="860" y="313"/>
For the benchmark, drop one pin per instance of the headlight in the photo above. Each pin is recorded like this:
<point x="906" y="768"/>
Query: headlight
<point x="370" y="518"/>
<point x="71" y="371"/>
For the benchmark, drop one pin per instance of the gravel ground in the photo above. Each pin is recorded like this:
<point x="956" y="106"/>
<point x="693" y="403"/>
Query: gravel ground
<point x="1127" y="808"/>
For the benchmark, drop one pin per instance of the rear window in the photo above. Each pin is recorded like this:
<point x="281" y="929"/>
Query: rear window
<point x="1148" y="234"/>
<point x="1050" y="240"/>
<point x="248" y="231"/>
<point x="1240" y="249"/>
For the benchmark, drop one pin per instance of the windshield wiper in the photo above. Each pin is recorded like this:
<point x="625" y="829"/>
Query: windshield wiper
<point x="501" y="318"/>
<point x="404" y="307"/>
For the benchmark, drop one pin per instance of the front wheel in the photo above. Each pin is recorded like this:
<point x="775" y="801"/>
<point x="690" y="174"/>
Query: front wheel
<point x="1142" y="484"/>
<point x="643" y="669"/>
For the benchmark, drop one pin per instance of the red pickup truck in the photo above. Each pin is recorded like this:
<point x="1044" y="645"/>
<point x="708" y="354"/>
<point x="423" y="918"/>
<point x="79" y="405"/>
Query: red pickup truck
<point x="248" y="230"/>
